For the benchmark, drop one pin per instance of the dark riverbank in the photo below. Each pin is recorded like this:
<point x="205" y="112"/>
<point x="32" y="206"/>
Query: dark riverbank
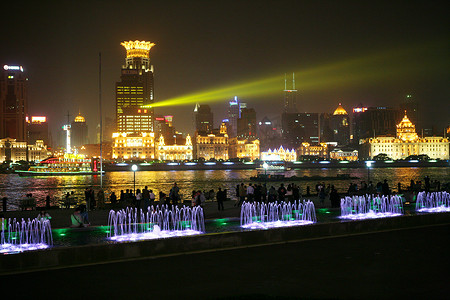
<point x="109" y="167"/>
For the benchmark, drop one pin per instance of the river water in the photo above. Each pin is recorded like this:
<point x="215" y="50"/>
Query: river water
<point x="14" y="187"/>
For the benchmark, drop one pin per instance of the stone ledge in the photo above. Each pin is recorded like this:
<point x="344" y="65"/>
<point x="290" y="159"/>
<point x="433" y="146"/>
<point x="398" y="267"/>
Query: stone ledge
<point x="62" y="257"/>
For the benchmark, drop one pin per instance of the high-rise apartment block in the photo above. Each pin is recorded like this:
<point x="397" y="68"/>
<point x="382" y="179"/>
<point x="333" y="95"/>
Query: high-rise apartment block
<point x="203" y="118"/>
<point x="79" y="132"/>
<point x="340" y="126"/>
<point x="411" y="106"/>
<point x="234" y="113"/>
<point x="374" y="121"/>
<point x="298" y="128"/>
<point x="37" y="129"/>
<point x="13" y="103"/>
<point x="246" y="124"/>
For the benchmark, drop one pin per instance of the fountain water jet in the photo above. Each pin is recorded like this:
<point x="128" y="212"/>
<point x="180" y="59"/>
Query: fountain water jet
<point x="433" y="202"/>
<point x="371" y="207"/>
<point x="131" y="224"/>
<point x="273" y="215"/>
<point x="18" y="236"/>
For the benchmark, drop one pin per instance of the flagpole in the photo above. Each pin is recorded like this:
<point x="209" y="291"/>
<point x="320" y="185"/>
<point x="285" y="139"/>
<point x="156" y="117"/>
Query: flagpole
<point x="100" y="112"/>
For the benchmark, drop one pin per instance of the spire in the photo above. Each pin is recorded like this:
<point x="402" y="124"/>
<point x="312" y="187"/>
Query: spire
<point x="293" y="80"/>
<point x="285" y="82"/>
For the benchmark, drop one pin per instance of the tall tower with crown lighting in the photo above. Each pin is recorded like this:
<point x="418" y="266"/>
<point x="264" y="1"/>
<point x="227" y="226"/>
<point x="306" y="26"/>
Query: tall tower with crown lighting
<point x="136" y="88"/>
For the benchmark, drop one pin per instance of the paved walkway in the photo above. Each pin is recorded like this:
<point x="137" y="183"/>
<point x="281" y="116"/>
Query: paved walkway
<point x="398" y="264"/>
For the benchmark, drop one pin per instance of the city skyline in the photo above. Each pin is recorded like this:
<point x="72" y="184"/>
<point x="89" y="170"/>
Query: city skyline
<point x="206" y="45"/>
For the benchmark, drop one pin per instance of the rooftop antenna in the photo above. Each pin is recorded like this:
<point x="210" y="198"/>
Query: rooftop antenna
<point x="285" y="79"/>
<point x="293" y="80"/>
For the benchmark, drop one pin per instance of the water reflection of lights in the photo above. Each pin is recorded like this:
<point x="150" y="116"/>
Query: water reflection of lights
<point x="134" y="237"/>
<point x="11" y="248"/>
<point x="277" y="224"/>
<point x="369" y="215"/>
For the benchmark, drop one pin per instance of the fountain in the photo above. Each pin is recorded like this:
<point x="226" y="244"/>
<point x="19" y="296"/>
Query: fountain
<point x="433" y="202"/>
<point x="273" y="215"/>
<point x="131" y="224"/>
<point x="371" y="207"/>
<point x="18" y="236"/>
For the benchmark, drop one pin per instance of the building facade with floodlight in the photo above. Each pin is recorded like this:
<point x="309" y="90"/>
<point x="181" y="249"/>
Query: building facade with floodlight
<point x="12" y="150"/>
<point x="212" y="145"/>
<point x="174" y="152"/>
<point x="406" y="143"/>
<point x="133" y="146"/>
<point x="244" y="148"/>
<point x="279" y="154"/>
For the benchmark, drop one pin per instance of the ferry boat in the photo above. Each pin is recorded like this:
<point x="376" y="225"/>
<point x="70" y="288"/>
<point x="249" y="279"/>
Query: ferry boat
<point x="69" y="164"/>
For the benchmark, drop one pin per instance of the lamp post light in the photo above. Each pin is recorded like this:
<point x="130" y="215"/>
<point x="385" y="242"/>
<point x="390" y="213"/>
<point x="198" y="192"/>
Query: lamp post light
<point x="265" y="166"/>
<point x="368" y="164"/>
<point x="134" y="169"/>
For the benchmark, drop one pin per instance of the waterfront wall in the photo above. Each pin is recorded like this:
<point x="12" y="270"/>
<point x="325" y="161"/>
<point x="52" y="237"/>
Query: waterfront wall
<point x="93" y="254"/>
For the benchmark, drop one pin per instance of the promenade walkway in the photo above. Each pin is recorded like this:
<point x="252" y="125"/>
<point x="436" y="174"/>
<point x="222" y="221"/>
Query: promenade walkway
<point x="397" y="264"/>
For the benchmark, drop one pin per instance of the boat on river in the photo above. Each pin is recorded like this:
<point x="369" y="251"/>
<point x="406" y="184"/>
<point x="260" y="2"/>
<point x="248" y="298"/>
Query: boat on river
<point x="69" y="164"/>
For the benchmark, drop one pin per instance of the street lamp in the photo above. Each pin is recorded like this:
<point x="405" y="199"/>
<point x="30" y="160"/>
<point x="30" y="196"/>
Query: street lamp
<point x="134" y="169"/>
<point x="368" y="164"/>
<point x="265" y="166"/>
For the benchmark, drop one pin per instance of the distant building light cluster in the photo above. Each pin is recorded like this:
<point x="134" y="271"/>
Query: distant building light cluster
<point x="14" y="68"/>
<point x="359" y="109"/>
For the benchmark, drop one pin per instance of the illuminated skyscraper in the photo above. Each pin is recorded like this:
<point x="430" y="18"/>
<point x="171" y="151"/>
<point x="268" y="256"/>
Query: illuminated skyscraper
<point x="13" y="103"/>
<point x="290" y="96"/>
<point x="374" y="121"/>
<point x="136" y="86"/>
<point x="412" y="109"/>
<point x="298" y="128"/>
<point x="203" y="118"/>
<point x="234" y="113"/>
<point x="37" y="129"/>
<point x="246" y="124"/>
<point x="340" y="126"/>
<point x="79" y="132"/>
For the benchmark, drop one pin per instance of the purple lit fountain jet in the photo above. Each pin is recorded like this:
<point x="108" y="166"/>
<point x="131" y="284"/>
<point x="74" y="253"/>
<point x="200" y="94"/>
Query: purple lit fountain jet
<point x="433" y="202"/>
<point x="274" y="215"/>
<point x="371" y="207"/>
<point x="19" y="236"/>
<point x="157" y="222"/>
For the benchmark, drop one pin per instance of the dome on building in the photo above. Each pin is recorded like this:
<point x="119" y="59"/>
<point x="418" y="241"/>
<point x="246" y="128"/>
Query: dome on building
<point x="340" y="111"/>
<point x="80" y="119"/>
<point x="405" y="123"/>
<point x="406" y="130"/>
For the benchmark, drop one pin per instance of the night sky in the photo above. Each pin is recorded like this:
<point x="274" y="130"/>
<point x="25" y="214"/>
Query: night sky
<point x="205" y="44"/>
